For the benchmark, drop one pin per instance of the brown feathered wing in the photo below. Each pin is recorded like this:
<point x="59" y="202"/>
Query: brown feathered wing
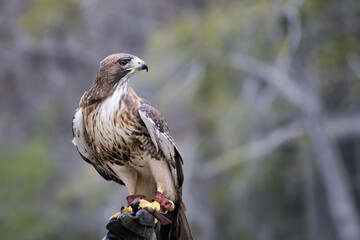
<point x="161" y="138"/>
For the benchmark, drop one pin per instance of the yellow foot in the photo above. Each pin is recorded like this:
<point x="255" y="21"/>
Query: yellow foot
<point x="127" y="209"/>
<point x="115" y="215"/>
<point x="150" y="206"/>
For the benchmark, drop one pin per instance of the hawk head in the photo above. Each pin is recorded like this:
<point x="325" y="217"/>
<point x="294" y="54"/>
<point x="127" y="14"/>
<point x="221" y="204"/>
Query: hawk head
<point x="120" y="66"/>
<point x="115" y="69"/>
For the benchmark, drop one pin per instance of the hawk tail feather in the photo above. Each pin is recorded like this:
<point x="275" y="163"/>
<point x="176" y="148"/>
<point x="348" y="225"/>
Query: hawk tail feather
<point x="184" y="227"/>
<point x="179" y="229"/>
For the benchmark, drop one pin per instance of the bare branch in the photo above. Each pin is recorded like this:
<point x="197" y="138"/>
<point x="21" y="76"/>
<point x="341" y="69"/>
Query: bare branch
<point x="277" y="78"/>
<point x="335" y="128"/>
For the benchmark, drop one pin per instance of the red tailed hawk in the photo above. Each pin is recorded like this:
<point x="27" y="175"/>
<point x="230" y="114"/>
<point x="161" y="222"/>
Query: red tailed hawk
<point x="128" y="141"/>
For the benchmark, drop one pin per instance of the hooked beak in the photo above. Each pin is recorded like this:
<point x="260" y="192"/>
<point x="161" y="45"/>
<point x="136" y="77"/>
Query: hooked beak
<point x="138" y="64"/>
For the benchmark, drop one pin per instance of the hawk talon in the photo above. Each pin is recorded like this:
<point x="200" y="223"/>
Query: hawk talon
<point x="172" y="207"/>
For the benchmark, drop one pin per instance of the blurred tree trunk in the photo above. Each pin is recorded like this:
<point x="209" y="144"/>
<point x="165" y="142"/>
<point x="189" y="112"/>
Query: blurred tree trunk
<point x="341" y="203"/>
<point x="311" y="206"/>
<point x="340" y="199"/>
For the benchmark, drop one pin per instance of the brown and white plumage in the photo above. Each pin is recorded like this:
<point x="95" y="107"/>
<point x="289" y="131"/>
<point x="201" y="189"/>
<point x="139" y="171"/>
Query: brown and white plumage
<point x="128" y="141"/>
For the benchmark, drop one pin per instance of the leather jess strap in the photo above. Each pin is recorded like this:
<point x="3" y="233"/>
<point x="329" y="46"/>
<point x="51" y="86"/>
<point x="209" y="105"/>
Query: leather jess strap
<point x="164" y="202"/>
<point x="133" y="198"/>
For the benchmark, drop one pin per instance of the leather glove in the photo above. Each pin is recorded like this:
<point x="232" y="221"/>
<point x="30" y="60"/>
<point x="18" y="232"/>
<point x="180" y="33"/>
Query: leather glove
<point x="136" y="225"/>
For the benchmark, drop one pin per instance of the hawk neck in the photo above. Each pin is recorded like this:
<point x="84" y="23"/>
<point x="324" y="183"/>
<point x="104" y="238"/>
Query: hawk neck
<point x="99" y="92"/>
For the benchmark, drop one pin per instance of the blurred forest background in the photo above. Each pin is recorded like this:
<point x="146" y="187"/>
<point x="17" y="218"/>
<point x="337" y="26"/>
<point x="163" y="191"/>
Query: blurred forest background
<point x="262" y="97"/>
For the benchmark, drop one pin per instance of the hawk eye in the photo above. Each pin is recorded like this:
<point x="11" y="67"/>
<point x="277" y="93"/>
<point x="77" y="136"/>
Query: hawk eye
<point x="123" y="62"/>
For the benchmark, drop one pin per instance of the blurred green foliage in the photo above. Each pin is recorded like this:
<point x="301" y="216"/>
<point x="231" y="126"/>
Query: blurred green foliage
<point x="51" y="15"/>
<point x="25" y="176"/>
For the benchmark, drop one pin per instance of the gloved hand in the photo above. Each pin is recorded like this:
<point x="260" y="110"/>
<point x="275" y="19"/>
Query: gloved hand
<point x="136" y="225"/>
